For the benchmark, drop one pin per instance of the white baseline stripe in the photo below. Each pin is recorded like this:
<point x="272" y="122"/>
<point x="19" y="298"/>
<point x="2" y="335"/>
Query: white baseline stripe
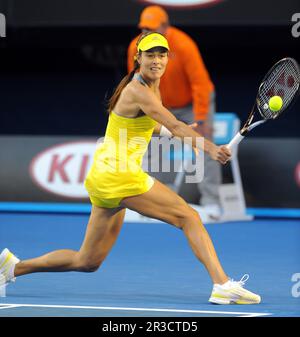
<point x="243" y="314"/>
<point x="8" y="306"/>
<point x="255" y="315"/>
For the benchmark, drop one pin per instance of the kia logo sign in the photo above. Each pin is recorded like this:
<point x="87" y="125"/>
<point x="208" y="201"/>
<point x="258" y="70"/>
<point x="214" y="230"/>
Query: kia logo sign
<point x="297" y="174"/>
<point x="182" y="3"/>
<point x="61" y="169"/>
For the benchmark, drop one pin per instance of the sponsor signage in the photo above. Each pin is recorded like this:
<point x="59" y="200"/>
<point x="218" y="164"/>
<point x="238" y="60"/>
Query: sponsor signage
<point x="126" y="12"/>
<point x="61" y="169"/>
<point x="52" y="169"/>
<point x="182" y="3"/>
<point x="297" y="174"/>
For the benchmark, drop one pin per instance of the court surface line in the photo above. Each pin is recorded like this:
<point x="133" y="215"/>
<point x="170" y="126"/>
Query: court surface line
<point x="243" y="314"/>
<point x="255" y="315"/>
<point x="8" y="306"/>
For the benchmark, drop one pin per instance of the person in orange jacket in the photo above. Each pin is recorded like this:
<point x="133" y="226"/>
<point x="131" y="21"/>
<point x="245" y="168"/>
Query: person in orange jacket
<point x="186" y="89"/>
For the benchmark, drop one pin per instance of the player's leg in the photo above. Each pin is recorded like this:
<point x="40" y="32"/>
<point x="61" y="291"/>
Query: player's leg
<point x="162" y="203"/>
<point x="102" y="230"/>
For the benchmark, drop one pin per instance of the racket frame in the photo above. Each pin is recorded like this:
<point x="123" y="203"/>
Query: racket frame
<point x="256" y="106"/>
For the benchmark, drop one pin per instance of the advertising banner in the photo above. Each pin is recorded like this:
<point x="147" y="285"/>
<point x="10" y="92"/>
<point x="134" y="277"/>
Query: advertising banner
<point x="52" y="169"/>
<point x="126" y="12"/>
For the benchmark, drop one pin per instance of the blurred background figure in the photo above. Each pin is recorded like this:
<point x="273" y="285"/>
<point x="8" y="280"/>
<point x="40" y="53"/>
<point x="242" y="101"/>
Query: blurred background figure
<point x="194" y="101"/>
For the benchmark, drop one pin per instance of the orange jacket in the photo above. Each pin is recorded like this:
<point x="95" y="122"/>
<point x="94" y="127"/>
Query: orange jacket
<point x="186" y="80"/>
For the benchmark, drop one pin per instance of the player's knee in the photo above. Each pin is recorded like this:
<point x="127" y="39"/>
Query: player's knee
<point x="188" y="217"/>
<point x="88" y="266"/>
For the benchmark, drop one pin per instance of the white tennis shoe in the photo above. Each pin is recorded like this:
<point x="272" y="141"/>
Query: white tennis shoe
<point x="7" y="265"/>
<point x="232" y="292"/>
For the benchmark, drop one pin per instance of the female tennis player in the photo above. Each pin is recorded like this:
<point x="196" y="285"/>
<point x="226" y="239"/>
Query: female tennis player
<point x="116" y="181"/>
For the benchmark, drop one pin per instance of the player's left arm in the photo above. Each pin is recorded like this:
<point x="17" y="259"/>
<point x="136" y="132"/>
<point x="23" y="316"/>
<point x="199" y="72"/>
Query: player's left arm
<point x="148" y="102"/>
<point x="157" y="128"/>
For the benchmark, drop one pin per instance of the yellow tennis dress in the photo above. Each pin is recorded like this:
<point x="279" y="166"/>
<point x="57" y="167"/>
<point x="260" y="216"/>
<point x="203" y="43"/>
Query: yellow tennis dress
<point x="117" y="171"/>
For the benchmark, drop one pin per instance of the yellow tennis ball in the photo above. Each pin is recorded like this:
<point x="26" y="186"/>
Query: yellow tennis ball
<point x="275" y="103"/>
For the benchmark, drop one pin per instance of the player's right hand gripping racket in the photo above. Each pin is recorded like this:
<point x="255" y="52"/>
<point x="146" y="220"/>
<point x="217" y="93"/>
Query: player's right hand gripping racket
<point x="282" y="80"/>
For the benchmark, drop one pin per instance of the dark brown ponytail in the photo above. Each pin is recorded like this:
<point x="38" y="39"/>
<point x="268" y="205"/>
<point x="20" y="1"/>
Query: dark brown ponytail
<point x="114" y="98"/>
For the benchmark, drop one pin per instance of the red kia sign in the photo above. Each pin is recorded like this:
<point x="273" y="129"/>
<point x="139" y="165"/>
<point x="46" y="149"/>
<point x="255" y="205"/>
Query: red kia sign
<point x="61" y="169"/>
<point x="182" y="3"/>
<point x="297" y="174"/>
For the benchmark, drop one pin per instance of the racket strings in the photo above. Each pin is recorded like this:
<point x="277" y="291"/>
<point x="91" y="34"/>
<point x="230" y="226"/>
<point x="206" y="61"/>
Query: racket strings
<point x="282" y="81"/>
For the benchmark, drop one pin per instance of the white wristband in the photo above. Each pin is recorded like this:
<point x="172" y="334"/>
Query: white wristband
<point x="165" y="132"/>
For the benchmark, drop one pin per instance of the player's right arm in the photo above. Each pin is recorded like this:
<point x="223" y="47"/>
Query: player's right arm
<point x="149" y="103"/>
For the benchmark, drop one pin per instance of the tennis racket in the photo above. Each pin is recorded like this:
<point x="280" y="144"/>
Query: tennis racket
<point x="282" y="80"/>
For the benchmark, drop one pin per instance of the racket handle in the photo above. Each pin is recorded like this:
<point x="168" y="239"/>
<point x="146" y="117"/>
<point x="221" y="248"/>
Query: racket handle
<point x="235" y="141"/>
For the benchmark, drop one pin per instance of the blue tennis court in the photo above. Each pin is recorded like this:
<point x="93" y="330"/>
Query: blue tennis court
<point x="151" y="270"/>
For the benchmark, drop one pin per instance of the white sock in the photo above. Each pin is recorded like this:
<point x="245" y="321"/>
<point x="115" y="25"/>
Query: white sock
<point x="223" y="284"/>
<point x="11" y="272"/>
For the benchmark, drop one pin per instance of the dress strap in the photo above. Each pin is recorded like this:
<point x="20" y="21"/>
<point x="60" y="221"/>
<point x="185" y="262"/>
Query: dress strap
<point x="138" y="77"/>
